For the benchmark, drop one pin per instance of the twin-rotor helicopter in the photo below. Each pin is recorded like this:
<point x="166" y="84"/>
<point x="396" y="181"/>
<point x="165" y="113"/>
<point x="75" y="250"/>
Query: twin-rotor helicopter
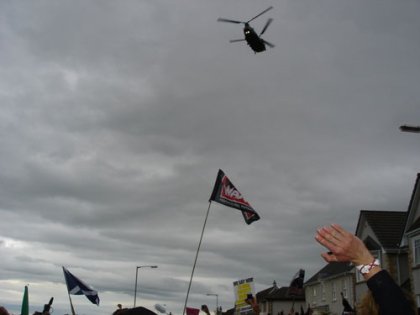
<point x="252" y="38"/>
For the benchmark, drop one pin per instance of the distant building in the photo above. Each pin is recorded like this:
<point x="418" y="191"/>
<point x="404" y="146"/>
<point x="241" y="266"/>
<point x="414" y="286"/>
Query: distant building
<point x="393" y="237"/>
<point x="382" y="231"/>
<point x="230" y="311"/>
<point x="323" y="290"/>
<point x="411" y="240"/>
<point x="274" y="300"/>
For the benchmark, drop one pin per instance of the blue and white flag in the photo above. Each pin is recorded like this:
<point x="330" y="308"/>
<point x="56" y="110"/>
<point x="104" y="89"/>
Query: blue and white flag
<point x="76" y="286"/>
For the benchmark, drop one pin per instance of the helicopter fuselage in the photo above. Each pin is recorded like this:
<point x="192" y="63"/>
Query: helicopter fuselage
<point x="253" y="40"/>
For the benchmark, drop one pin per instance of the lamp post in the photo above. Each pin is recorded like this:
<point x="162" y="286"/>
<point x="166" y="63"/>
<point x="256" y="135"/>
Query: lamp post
<point x="407" y="128"/>
<point x="135" y="286"/>
<point x="217" y="300"/>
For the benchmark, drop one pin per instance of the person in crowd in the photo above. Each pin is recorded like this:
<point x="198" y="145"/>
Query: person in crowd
<point x="254" y="304"/>
<point x="343" y="246"/>
<point x="347" y="309"/>
<point x="3" y="311"/>
<point x="205" y="309"/>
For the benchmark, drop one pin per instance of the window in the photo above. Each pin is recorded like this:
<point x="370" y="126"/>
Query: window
<point x="334" y="293"/>
<point x="314" y="293"/>
<point x="322" y="292"/>
<point x="344" y="287"/>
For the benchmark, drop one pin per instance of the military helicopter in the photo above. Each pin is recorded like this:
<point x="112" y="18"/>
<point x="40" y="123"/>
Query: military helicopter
<point x="251" y="37"/>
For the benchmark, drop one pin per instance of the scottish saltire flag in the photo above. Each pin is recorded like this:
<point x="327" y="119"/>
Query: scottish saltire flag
<point x="296" y="285"/>
<point x="225" y="193"/>
<point x="76" y="286"/>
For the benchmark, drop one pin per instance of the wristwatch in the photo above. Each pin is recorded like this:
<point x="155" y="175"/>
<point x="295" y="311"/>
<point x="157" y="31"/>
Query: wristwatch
<point x="364" y="269"/>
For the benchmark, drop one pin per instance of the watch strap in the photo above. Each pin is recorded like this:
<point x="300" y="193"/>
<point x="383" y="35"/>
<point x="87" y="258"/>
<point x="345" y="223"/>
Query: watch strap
<point x="365" y="269"/>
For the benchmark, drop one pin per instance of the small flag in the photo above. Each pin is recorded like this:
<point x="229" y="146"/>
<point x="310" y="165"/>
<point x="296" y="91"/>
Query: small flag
<point x="192" y="311"/>
<point x="225" y="192"/>
<point x="76" y="286"/>
<point x="25" y="302"/>
<point x="296" y="286"/>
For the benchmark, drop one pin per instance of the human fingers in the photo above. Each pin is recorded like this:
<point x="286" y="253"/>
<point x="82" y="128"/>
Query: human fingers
<point x="337" y="233"/>
<point x="329" y="234"/>
<point x="329" y="257"/>
<point x="325" y="240"/>
<point x="340" y="230"/>
<point x="348" y="240"/>
<point x="336" y="250"/>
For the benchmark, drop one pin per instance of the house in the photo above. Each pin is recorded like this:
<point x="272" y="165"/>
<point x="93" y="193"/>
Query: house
<point x="274" y="300"/>
<point x="324" y="290"/>
<point x="411" y="240"/>
<point x="230" y="311"/>
<point x="393" y="237"/>
<point x="382" y="232"/>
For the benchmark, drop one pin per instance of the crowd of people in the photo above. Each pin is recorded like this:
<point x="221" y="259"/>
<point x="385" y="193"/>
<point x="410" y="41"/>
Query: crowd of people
<point x="3" y="311"/>
<point x="384" y="296"/>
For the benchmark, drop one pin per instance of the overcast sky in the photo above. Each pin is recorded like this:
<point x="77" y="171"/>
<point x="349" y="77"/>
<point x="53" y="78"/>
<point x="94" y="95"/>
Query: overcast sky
<point x="116" y="116"/>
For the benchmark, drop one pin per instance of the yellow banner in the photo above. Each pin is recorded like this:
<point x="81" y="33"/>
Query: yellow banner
<point x="242" y="289"/>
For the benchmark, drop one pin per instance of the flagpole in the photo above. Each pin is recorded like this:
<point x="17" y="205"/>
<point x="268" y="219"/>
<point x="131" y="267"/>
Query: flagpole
<point x="196" y="256"/>
<point x="71" y="304"/>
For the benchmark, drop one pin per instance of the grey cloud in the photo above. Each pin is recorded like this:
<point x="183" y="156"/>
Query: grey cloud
<point x="115" y="118"/>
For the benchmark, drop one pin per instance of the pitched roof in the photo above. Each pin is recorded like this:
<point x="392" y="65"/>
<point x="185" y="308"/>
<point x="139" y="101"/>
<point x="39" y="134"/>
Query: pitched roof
<point x="410" y="225"/>
<point x="278" y="294"/>
<point x="388" y="226"/>
<point x="332" y="269"/>
<point x="230" y="311"/>
<point x="414" y="226"/>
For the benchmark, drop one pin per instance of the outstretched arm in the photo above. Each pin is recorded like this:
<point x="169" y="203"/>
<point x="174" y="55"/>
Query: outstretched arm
<point x="345" y="247"/>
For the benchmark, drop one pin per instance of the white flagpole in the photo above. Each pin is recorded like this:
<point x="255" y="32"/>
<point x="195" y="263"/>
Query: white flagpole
<point x="71" y="304"/>
<point x="196" y="256"/>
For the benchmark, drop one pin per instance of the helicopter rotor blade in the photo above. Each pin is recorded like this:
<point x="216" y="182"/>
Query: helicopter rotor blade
<point x="229" y="21"/>
<point x="260" y="14"/>
<point x="266" y="25"/>
<point x="236" y="40"/>
<point x="268" y="43"/>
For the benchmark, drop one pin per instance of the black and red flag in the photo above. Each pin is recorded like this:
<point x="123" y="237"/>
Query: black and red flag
<point x="225" y="192"/>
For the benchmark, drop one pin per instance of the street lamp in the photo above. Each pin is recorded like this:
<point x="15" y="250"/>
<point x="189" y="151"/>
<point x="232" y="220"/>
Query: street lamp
<point x="135" y="286"/>
<point x="407" y="128"/>
<point x="217" y="300"/>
